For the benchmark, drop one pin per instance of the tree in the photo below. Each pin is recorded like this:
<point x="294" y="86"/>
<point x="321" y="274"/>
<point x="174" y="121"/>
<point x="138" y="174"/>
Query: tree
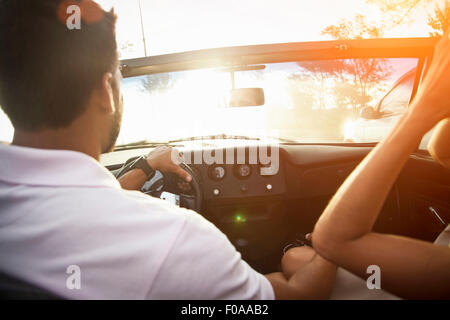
<point x="347" y="94"/>
<point x="302" y="92"/>
<point x="440" y="20"/>
<point x="321" y="70"/>
<point x="156" y="82"/>
<point x="367" y="73"/>
<point x="398" y="12"/>
<point x="364" y="73"/>
<point x="358" y="28"/>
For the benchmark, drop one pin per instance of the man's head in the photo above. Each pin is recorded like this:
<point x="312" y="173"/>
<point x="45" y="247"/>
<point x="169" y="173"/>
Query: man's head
<point x="51" y="76"/>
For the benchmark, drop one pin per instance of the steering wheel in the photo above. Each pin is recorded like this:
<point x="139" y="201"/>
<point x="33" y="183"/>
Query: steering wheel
<point x="167" y="185"/>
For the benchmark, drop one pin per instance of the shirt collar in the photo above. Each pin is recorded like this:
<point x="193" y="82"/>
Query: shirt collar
<point x="43" y="167"/>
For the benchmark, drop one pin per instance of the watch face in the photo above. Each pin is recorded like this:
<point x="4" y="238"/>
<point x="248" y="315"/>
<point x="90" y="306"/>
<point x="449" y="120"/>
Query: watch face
<point x="144" y="166"/>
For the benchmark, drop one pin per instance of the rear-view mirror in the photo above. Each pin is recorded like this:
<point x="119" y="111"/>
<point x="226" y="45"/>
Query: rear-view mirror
<point x="247" y="97"/>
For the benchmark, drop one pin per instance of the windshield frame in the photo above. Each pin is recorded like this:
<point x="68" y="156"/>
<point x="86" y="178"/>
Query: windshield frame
<point x="420" y="48"/>
<point x="227" y="57"/>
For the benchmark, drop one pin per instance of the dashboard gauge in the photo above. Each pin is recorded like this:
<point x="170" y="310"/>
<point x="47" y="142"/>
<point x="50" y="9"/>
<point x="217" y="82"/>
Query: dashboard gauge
<point x="267" y="170"/>
<point x="243" y="170"/>
<point x="217" y="173"/>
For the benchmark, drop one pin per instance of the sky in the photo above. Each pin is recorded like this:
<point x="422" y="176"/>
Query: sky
<point x="182" y="25"/>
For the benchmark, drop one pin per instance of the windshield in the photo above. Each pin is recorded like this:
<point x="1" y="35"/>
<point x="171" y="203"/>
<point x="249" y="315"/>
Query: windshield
<point x="307" y="101"/>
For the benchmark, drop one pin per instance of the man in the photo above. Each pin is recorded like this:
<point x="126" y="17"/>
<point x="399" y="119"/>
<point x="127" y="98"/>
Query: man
<point x="61" y="212"/>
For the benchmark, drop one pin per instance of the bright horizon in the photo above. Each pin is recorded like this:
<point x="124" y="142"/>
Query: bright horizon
<point x="175" y="26"/>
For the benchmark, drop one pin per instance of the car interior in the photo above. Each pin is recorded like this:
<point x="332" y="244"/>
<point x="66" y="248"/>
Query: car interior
<point x="262" y="215"/>
<point x="265" y="214"/>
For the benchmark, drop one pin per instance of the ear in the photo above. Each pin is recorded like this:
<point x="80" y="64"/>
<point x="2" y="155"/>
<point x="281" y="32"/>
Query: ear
<point x="106" y="95"/>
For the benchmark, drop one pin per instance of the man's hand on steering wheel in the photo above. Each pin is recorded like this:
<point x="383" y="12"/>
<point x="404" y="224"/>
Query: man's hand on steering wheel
<point x="165" y="159"/>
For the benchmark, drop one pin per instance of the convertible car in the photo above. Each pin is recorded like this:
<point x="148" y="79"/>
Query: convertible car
<point x="289" y="109"/>
<point x="269" y="133"/>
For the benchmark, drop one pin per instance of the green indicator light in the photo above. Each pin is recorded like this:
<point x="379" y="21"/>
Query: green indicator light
<point x="239" y="218"/>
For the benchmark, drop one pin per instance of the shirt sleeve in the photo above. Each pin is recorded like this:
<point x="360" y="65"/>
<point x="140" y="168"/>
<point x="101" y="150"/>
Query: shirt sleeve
<point x="203" y="264"/>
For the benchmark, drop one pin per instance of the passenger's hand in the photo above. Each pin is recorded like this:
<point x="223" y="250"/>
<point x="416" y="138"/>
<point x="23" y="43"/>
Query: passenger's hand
<point x="296" y="258"/>
<point x="167" y="159"/>
<point x="431" y="104"/>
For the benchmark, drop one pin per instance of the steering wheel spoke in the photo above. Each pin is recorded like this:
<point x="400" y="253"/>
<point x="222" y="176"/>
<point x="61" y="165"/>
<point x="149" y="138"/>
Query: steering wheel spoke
<point x="190" y="194"/>
<point x="187" y="201"/>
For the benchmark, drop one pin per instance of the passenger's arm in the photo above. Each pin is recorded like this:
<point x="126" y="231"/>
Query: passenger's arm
<point x="343" y="234"/>
<point x="306" y="275"/>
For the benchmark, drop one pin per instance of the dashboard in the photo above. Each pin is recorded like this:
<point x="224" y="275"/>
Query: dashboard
<point x="263" y="202"/>
<point x="233" y="179"/>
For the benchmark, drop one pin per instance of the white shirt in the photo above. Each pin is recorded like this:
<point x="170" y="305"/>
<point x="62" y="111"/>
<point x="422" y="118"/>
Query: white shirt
<point x="62" y="208"/>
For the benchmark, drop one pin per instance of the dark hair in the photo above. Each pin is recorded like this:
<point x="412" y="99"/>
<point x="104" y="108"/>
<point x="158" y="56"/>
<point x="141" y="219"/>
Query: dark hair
<point x="48" y="72"/>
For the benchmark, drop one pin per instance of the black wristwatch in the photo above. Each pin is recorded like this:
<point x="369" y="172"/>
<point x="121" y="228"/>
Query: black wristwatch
<point x="142" y="163"/>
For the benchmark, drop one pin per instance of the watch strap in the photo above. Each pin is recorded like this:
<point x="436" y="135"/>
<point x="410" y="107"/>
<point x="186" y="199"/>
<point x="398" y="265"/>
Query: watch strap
<point x="142" y="164"/>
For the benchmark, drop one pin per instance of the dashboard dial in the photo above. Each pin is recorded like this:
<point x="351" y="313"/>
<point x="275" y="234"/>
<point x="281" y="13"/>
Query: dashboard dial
<point x="243" y="170"/>
<point x="267" y="170"/>
<point x="217" y="173"/>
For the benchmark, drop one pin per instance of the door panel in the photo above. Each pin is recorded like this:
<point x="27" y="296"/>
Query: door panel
<point x="424" y="188"/>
